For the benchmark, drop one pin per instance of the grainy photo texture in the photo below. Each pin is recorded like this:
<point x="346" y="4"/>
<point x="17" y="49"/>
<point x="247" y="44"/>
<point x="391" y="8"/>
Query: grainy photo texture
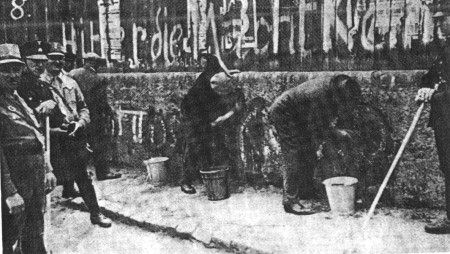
<point x="225" y="126"/>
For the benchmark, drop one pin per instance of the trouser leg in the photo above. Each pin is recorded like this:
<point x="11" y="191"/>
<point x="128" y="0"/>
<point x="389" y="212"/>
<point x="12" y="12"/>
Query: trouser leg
<point x="68" y="185"/>
<point x="86" y="187"/>
<point x="11" y="227"/>
<point x="99" y="154"/>
<point x="291" y="176"/>
<point x="443" y="147"/>
<point x="197" y="157"/>
<point x="32" y="237"/>
<point x="306" y="174"/>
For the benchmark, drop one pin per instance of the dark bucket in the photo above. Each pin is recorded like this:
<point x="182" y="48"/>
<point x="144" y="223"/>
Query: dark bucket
<point x="216" y="182"/>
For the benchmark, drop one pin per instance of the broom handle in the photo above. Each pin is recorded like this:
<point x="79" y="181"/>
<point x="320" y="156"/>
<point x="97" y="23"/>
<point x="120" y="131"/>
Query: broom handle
<point x="394" y="164"/>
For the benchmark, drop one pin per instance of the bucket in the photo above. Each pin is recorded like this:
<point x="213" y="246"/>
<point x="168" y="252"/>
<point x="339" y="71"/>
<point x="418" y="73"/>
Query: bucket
<point x="216" y="182"/>
<point x="341" y="194"/>
<point x="156" y="170"/>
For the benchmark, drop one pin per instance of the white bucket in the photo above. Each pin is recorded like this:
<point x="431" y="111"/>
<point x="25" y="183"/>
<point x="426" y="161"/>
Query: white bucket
<point x="341" y="194"/>
<point x="156" y="170"/>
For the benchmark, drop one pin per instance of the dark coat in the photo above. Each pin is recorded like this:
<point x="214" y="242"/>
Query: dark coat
<point x="93" y="88"/>
<point x="23" y="172"/>
<point x="440" y="102"/>
<point x="34" y="92"/>
<point x="23" y="146"/>
<point x="302" y="114"/>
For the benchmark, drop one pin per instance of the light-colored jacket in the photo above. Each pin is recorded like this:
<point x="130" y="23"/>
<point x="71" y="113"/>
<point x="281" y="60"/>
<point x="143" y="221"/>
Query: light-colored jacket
<point x="69" y="97"/>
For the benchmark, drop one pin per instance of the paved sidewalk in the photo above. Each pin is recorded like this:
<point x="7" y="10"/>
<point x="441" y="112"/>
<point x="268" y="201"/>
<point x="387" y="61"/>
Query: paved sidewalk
<point x="253" y="221"/>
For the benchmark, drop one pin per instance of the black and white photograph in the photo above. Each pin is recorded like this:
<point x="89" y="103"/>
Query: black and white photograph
<point x="225" y="126"/>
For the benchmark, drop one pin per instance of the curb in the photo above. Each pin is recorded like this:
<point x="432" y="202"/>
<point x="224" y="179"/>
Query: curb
<point x="112" y="210"/>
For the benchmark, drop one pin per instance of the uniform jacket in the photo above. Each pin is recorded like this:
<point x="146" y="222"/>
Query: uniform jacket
<point x="22" y="145"/>
<point x="8" y="187"/>
<point x="34" y="92"/>
<point x="440" y="102"/>
<point x="69" y="97"/>
<point x="93" y="88"/>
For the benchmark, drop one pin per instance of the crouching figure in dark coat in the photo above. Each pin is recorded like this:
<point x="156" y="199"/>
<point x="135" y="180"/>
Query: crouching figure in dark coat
<point x="435" y="88"/>
<point x="304" y="117"/>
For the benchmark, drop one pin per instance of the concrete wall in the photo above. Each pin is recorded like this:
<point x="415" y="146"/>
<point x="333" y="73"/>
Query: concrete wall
<point x="417" y="182"/>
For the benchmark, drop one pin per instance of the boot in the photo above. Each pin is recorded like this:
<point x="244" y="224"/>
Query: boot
<point x="101" y="220"/>
<point x="297" y="208"/>
<point x="188" y="188"/>
<point x="439" y="227"/>
<point x="108" y="176"/>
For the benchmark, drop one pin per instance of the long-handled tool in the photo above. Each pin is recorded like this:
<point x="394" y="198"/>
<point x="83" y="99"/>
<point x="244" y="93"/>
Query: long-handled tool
<point x="397" y="157"/>
<point x="388" y="175"/>
<point x="393" y="165"/>
<point x="47" y="215"/>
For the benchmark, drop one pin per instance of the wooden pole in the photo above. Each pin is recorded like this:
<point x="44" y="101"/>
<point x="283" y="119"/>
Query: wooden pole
<point x="48" y="197"/>
<point x="393" y="165"/>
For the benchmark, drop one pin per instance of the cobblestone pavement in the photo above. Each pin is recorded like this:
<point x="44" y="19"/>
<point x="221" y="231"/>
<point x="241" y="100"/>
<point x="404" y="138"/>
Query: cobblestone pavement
<point x="253" y="221"/>
<point x="72" y="232"/>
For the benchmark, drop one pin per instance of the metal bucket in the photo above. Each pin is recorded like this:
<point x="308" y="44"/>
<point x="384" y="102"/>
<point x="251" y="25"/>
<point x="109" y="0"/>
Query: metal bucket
<point x="156" y="170"/>
<point x="216" y="182"/>
<point x="341" y="194"/>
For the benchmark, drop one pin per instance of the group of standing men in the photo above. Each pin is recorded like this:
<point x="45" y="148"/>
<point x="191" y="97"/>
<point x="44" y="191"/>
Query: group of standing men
<point x="41" y="106"/>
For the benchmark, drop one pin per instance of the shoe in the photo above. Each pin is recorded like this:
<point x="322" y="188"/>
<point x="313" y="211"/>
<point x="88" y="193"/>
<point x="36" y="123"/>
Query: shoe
<point x="297" y="209"/>
<point x="70" y="194"/>
<point x="188" y="189"/>
<point x="100" y="220"/>
<point x="440" y="227"/>
<point x="108" y="176"/>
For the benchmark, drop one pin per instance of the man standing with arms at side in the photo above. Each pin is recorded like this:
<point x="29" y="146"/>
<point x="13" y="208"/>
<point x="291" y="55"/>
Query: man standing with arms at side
<point x="438" y="77"/>
<point x="26" y="172"/>
<point x="69" y="153"/>
<point x="93" y="88"/>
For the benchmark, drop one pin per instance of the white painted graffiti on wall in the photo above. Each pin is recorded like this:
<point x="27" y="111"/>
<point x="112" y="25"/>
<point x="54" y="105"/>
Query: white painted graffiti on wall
<point x="370" y="25"/>
<point x="169" y="32"/>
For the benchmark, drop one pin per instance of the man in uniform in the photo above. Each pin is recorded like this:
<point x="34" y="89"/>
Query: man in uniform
<point x="94" y="89"/>
<point x="304" y="117"/>
<point x="26" y="172"/>
<point x="69" y="153"/>
<point x="435" y="88"/>
<point x="36" y="93"/>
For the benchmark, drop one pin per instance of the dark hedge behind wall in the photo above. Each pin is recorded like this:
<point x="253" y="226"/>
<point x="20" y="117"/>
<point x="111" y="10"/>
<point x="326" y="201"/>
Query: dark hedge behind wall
<point x="418" y="180"/>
